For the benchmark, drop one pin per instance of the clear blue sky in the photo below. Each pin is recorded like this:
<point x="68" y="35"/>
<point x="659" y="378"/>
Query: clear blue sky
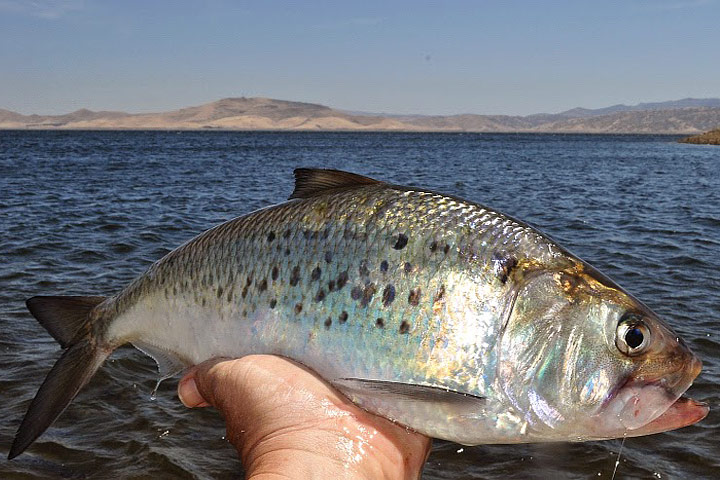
<point x="388" y="56"/>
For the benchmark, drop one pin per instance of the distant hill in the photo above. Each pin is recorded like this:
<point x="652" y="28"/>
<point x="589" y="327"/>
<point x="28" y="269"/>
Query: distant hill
<point x="641" y="107"/>
<point x="687" y="116"/>
<point x="708" y="138"/>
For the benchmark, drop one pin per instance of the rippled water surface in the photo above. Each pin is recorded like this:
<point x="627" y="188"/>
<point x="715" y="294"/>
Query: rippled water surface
<point x="85" y="212"/>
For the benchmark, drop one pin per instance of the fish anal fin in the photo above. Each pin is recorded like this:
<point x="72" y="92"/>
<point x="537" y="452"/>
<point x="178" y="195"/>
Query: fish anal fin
<point x="386" y="397"/>
<point x="169" y="364"/>
<point x="311" y="182"/>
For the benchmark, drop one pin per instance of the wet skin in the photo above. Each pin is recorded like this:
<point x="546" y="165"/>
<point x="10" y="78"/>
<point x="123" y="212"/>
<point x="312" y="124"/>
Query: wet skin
<point x="286" y="422"/>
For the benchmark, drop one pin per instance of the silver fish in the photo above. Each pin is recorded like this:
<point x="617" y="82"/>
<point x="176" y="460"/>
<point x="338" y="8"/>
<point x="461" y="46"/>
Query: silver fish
<point x="443" y="315"/>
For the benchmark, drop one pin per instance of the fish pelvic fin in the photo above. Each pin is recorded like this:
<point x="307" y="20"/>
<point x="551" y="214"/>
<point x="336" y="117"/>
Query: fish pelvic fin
<point x="73" y="370"/>
<point x="311" y="182"/>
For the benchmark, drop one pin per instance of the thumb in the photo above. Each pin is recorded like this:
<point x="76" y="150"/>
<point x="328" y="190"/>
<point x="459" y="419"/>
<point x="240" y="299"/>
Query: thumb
<point x="200" y="386"/>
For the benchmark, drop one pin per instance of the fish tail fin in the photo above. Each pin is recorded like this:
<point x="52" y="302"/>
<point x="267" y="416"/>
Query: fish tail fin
<point x="65" y="318"/>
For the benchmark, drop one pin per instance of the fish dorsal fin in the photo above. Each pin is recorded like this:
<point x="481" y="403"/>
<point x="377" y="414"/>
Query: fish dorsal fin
<point x="311" y="182"/>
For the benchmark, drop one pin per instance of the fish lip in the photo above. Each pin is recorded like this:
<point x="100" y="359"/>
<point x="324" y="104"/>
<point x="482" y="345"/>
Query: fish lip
<point x="680" y="411"/>
<point x="684" y="412"/>
<point x="661" y="381"/>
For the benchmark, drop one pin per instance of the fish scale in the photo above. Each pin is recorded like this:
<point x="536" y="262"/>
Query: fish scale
<point x="438" y="313"/>
<point x="443" y="339"/>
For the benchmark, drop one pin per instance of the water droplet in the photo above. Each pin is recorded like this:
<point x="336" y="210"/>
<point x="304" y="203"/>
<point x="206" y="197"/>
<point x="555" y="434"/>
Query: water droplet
<point x="153" y="394"/>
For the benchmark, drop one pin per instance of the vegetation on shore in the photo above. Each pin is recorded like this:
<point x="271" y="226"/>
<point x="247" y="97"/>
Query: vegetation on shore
<point x="708" y="138"/>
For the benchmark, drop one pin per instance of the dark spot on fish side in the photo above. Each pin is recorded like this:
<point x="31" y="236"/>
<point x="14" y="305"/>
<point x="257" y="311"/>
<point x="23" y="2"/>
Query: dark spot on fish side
<point x="244" y="313"/>
<point x="287" y="252"/>
<point x="407" y="267"/>
<point x="315" y="275"/>
<point x="274" y="273"/>
<point x="343" y="317"/>
<point x="204" y="301"/>
<point x="298" y="308"/>
<point x="328" y="322"/>
<point x="286" y="234"/>
<point x="388" y="295"/>
<point x="504" y="264"/>
<point x="414" y="297"/>
<point x="368" y="293"/>
<point x="433" y="247"/>
<point x="249" y="280"/>
<point x="446" y="249"/>
<point x="229" y="296"/>
<point x="384" y="266"/>
<point x="306" y="234"/>
<point x="356" y="292"/>
<point x="380" y="323"/>
<point x="271" y="236"/>
<point x="263" y="285"/>
<point x="219" y="292"/>
<point x="320" y="296"/>
<point x="273" y="303"/>
<point x="402" y="240"/>
<point x="244" y="291"/>
<point x="295" y="276"/>
<point x="440" y="294"/>
<point x="404" y="327"/>
<point x="175" y="290"/>
<point x="342" y="279"/>
<point x="363" y="269"/>
<point x="331" y="285"/>
<point x="328" y="257"/>
<point x="467" y="251"/>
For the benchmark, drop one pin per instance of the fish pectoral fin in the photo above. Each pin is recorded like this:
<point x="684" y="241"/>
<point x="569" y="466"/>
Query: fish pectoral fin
<point x="311" y="182"/>
<point x="169" y="364"/>
<point x="380" y="395"/>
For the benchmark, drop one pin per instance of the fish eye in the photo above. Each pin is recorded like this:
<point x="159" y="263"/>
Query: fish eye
<point x="632" y="336"/>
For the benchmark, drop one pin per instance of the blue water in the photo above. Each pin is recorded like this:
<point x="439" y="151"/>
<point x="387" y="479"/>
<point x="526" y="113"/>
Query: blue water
<point x="85" y="212"/>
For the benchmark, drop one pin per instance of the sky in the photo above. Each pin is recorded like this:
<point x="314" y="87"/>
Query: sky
<point x="443" y="57"/>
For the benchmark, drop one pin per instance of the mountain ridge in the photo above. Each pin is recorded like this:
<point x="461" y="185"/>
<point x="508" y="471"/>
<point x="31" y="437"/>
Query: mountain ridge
<point x="685" y="116"/>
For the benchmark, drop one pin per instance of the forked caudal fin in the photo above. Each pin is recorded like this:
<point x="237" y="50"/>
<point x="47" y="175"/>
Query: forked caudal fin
<point x="64" y="318"/>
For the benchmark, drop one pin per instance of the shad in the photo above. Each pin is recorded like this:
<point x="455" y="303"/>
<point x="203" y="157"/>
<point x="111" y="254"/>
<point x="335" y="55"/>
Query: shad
<point x="443" y="315"/>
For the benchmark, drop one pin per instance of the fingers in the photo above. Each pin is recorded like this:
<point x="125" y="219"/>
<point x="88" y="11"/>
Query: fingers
<point x="189" y="394"/>
<point x="276" y="409"/>
<point x="198" y="387"/>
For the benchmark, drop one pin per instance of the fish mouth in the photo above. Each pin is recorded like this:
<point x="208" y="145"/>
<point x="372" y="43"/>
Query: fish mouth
<point x="682" y="413"/>
<point x="641" y="406"/>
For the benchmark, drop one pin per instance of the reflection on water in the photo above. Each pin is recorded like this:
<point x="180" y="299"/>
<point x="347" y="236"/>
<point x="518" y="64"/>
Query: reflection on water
<point x="85" y="212"/>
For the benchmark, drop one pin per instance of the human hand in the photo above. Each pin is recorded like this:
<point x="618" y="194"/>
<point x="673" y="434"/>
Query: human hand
<point x="286" y="422"/>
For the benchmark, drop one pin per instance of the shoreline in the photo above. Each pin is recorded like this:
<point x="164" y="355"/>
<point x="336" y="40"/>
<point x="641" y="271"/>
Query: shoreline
<point x="711" y="137"/>
<point x="308" y="130"/>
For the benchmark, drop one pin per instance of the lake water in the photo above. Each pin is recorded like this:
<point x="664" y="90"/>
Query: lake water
<point x="85" y="212"/>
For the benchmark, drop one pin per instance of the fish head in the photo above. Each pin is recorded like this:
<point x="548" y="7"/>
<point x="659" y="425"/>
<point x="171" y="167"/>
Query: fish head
<point x="581" y="359"/>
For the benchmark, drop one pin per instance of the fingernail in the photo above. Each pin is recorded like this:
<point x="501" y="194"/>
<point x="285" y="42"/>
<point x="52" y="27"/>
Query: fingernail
<point x="189" y="394"/>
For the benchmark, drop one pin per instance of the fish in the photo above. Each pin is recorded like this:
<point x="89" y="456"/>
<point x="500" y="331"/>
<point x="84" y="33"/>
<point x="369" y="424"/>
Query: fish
<point x="440" y="314"/>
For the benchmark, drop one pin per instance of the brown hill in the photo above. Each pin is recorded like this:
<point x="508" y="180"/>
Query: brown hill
<point x="708" y="138"/>
<point x="269" y="114"/>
